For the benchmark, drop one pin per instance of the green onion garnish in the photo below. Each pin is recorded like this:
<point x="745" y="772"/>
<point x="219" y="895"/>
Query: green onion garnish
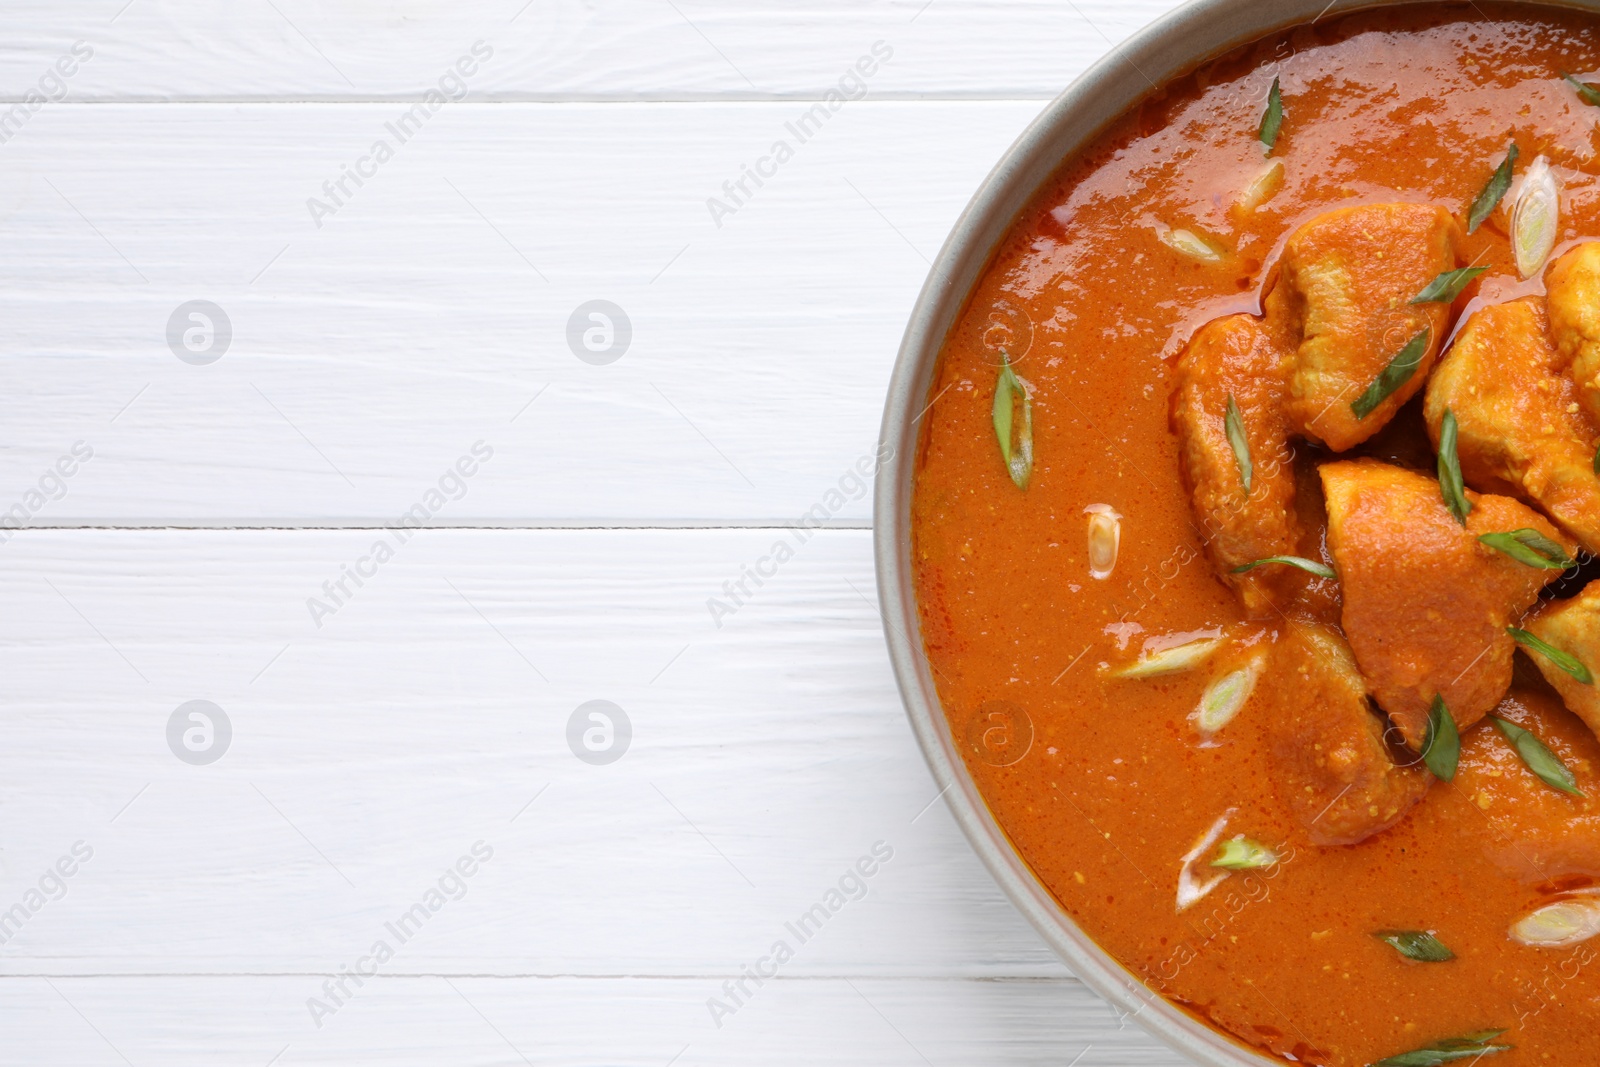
<point x="1587" y="93"/>
<point x="1018" y="453"/>
<point x="1451" y="487"/>
<point x="1307" y="565"/>
<point x="1243" y="854"/>
<point x="1530" y="548"/>
<point x="1540" y="760"/>
<point x="1441" y="746"/>
<point x="1397" y="373"/>
<point x="1465" y="1047"/>
<point x="1419" y="945"/>
<point x="1447" y="286"/>
<point x="1492" y="193"/>
<point x="1567" y="662"/>
<point x="1169" y="660"/>
<point x="1272" y="118"/>
<point x="1233" y="422"/>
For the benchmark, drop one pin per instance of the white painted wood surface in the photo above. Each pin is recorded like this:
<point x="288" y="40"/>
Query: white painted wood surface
<point x="368" y="354"/>
<point x="429" y="711"/>
<point x="563" y="49"/>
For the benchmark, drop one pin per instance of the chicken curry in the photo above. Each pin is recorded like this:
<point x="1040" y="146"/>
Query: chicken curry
<point x="1255" y="530"/>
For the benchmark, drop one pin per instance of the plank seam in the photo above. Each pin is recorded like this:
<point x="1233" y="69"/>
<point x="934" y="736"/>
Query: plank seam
<point x="890" y="96"/>
<point x="1018" y="979"/>
<point x="576" y="525"/>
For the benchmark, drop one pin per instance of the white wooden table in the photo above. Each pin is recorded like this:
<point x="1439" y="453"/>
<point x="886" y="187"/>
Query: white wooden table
<point x="220" y="470"/>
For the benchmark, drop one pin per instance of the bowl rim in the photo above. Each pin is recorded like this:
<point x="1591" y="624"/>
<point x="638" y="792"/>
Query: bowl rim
<point x="1171" y="46"/>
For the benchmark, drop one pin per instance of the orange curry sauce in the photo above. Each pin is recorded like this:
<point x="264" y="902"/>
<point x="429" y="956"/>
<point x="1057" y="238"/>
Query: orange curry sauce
<point x="1412" y="104"/>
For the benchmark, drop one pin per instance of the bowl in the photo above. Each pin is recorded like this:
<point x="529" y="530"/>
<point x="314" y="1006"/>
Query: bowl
<point x="1170" y="47"/>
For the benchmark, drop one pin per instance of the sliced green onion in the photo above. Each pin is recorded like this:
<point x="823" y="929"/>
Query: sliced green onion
<point x="1015" y="437"/>
<point x="1309" y="566"/>
<point x="1190" y="888"/>
<point x="1233" y="422"/>
<point x="1419" y="945"/>
<point x="1587" y="93"/>
<point x="1540" y="760"/>
<point x="1263" y="188"/>
<point x="1272" y="118"/>
<point x="1191" y="244"/>
<point x="1225" y="697"/>
<point x="1397" y="373"/>
<point x="1530" y="548"/>
<point x="1566" y="922"/>
<point x="1492" y="193"/>
<point x="1567" y="662"/>
<point x="1535" y="218"/>
<point x="1169" y="660"/>
<point x="1447" y="286"/>
<point x="1441" y="745"/>
<point x="1597" y="460"/>
<point x="1465" y="1047"/>
<point x="1451" y="487"/>
<point x="1242" y="854"/>
<point x="1105" y="539"/>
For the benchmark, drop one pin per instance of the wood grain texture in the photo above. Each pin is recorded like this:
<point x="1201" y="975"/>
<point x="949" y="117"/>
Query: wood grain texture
<point x="425" y="713"/>
<point x="561" y="49"/>
<point x="368" y="756"/>
<point x="431" y="310"/>
<point x="480" y="1022"/>
<point x="429" y="712"/>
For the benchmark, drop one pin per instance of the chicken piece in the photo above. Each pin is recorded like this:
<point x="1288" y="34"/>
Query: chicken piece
<point x="1573" y="626"/>
<point x="1334" y="769"/>
<point x="1572" y="285"/>
<point x="1426" y="604"/>
<point x="1343" y="296"/>
<point x="1236" y="356"/>
<point x="1533" y="833"/>
<point x="1520" y="429"/>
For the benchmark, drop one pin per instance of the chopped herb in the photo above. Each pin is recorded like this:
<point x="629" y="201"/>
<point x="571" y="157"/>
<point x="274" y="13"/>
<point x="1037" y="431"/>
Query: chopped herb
<point x="1243" y="854"/>
<point x="1492" y="193"/>
<point x="1567" y="662"/>
<point x="1451" y="486"/>
<point x="1017" y="453"/>
<point x="1419" y="945"/>
<point x="1225" y="697"/>
<point x="1397" y="373"/>
<point x="1441" y="746"/>
<point x="1234" y="423"/>
<point x="1565" y="922"/>
<point x="1535" y="218"/>
<point x="1105" y="539"/>
<point x="1529" y="547"/>
<point x="1447" y="286"/>
<point x="1597" y="460"/>
<point x="1307" y="565"/>
<point x="1465" y="1047"/>
<point x="1272" y="119"/>
<point x="1263" y="188"/>
<point x="1587" y="93"/>
<point x="1169" y="660"/>
<point x="1192" y="243"/>
<point x="1540" y="760"/>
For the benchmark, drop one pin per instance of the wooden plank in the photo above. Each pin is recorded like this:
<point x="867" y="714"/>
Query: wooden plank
<point x="477" y="1021"/>
<point x="430" y="710"/>
<point x="556" y="49"/>
<point x="368" y="755"/>
<point x="431" y="310"/>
